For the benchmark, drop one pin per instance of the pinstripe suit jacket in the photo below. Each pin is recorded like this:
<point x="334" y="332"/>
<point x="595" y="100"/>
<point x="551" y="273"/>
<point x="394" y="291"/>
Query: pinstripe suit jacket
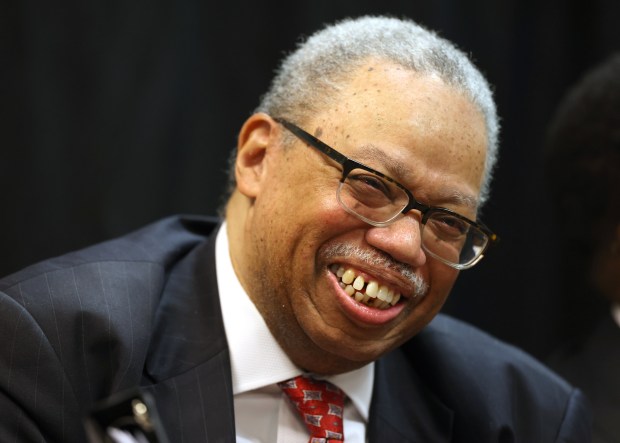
<point x="143" y="310"/>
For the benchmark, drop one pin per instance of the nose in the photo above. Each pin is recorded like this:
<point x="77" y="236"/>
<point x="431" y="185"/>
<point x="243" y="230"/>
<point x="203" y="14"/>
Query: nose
<point x="402" y="240"/>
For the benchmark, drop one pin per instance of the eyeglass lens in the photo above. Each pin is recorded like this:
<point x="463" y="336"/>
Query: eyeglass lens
<point x="445" y="236"/>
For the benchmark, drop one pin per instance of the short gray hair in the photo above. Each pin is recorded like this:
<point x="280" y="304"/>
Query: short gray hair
<point x="311" y="75"/>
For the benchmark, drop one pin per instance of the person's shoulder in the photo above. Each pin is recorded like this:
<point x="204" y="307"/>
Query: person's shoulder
<point x="460" y="361"/>
<point x="114" y="283"/>
<point x="162" y="242"/>
<point x="475" y="352"/>
<point x="493" y="386"/>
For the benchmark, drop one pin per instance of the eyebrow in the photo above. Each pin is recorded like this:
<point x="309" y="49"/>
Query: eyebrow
<point x="395" y="168"/>
<point x="378" y="155"/>
<point x="463" y="199"/>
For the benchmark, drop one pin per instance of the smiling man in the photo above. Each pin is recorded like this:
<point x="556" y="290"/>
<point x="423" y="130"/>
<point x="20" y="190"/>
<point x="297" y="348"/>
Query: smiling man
<point x="355" y="193"/>
<point x="296" y="223"/>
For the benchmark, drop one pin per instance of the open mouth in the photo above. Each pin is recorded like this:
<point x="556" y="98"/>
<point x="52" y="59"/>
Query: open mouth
<point x="370" y="293"/>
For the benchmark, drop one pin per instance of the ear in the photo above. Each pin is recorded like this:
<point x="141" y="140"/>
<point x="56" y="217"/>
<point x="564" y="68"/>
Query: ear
<point x="257" y="136"/>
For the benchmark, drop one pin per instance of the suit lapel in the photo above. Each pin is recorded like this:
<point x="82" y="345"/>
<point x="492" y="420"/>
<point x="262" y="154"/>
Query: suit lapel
<point x="188" y="365"/>
<point x="188" y="369"/>
<point x="403" y="409"/>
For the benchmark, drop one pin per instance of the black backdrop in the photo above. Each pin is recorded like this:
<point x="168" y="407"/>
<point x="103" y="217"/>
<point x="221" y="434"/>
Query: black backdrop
<point x="115" y="113"/>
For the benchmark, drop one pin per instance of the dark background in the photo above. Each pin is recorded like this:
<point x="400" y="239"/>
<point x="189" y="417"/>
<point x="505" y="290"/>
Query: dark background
<point x="116" y="113"/>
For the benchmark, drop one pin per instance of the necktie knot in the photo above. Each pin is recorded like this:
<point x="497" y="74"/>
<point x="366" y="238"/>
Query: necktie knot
<point x="320" y="405"/>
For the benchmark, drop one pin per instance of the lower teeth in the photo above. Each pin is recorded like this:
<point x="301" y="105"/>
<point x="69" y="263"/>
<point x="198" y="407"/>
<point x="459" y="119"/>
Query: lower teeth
<point x="371" y="302"/>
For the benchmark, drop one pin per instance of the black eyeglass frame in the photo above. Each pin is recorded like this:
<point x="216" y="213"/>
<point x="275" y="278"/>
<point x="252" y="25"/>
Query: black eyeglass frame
<point x="349" y="165"/>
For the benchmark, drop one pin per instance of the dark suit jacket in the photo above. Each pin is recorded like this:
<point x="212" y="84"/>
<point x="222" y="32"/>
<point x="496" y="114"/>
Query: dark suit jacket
<point x="143" y="310"/>
<point x="593" y="364"/>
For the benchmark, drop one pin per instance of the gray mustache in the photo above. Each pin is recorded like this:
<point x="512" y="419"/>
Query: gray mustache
<point x="377" y="259"/>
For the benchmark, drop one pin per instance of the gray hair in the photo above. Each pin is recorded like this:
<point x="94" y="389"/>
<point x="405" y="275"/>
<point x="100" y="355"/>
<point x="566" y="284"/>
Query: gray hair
<point x="312" y="75"/>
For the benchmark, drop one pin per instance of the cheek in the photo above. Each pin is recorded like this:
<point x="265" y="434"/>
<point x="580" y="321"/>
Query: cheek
<point x="316" y="209"/>
<point x="297" y="221"/>
<point x="441" y="279"/>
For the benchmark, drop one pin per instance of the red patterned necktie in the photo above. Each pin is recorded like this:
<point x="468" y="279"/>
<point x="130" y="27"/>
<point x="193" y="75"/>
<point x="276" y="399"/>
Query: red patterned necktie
<point x="320" y="406"/>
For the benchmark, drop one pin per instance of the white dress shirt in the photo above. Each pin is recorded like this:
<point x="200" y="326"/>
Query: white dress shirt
<point x="262" y="412"/>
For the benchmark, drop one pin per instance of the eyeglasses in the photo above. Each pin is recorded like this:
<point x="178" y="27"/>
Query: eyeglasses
<point x="379" y="200"/>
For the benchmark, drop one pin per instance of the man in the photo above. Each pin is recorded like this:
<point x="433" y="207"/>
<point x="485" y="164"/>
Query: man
<point x="356" y="189"/>
<point x="583" y="166"/>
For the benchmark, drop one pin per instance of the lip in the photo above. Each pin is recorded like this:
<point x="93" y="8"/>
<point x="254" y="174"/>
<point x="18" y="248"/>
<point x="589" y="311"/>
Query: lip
<point x="361" y="314"/>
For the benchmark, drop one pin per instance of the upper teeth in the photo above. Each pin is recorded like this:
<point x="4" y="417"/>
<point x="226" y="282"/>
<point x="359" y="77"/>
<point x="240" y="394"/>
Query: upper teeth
<point x="375" y="295"/>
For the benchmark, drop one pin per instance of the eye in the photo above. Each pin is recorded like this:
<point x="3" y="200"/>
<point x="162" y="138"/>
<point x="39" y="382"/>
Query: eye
<point x="369" y="183"/>
<point x="372" y="181"/>
<point x="448" y="227"/>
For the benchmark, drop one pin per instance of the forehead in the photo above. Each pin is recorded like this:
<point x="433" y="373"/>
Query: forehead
<point x="418" y="127"/>
<point x="381" y="96"/>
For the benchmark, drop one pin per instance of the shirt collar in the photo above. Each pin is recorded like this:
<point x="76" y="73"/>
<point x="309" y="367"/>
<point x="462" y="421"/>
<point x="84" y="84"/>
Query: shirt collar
<point x="257" y="360"/>
<point x="358" y="387"/>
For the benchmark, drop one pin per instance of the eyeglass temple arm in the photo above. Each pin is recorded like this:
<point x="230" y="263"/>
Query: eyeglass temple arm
<point x="313" y="141"/>
<point x="340" y="158"/>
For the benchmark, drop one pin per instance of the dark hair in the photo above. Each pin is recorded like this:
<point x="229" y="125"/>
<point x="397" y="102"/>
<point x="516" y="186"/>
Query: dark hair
<point x="582" y="160"/>
<point x="582" y="165"/>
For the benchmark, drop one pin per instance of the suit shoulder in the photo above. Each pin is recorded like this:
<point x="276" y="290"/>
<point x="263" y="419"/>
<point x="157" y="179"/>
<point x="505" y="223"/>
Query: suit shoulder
<point x="476" y="352"/>
<point x="162" y="243"/>
<point x="493" y="388"/>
